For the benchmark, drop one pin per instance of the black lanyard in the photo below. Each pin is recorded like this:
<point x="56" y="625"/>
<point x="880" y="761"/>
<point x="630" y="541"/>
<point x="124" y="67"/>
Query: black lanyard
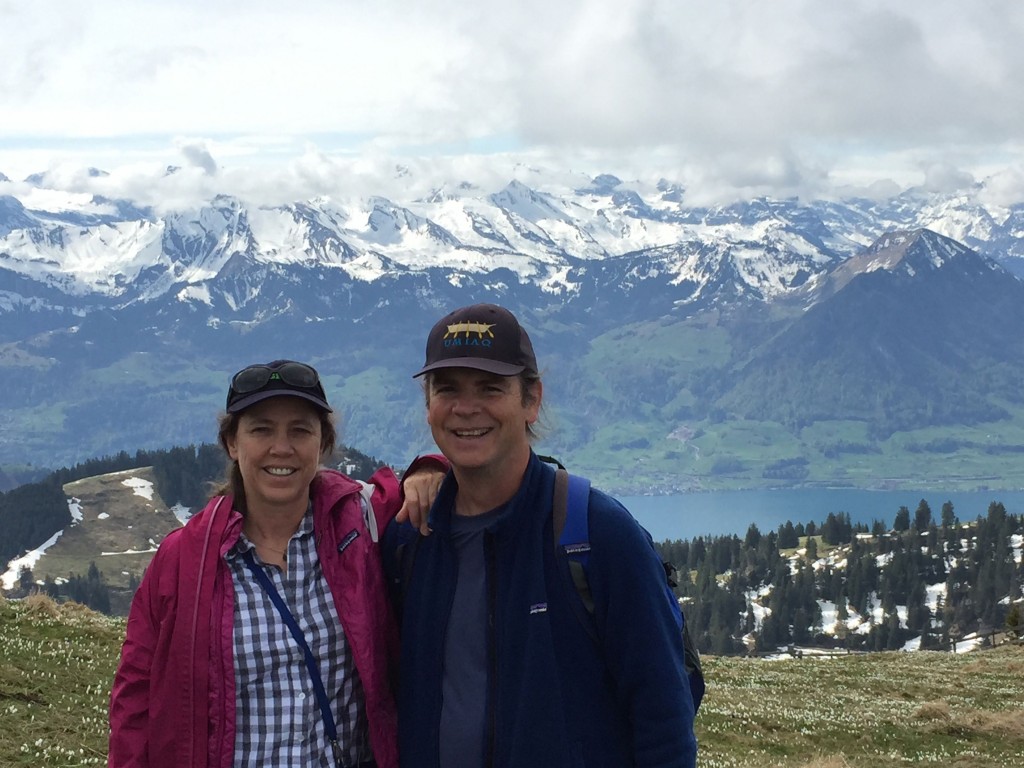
<point x="311" y="665"/>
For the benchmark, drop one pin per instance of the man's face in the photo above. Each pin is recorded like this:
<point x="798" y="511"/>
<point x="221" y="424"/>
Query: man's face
<point x="478" y="419"/>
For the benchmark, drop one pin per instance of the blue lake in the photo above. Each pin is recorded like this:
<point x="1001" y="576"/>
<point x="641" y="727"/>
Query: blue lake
<point x="723" y="513"/>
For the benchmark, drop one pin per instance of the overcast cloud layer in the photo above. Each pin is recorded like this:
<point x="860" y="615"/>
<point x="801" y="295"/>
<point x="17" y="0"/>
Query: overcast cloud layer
<point x="731" y="98"/>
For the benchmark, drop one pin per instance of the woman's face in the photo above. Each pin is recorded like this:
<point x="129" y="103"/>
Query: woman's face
<point x="278" y="447"/>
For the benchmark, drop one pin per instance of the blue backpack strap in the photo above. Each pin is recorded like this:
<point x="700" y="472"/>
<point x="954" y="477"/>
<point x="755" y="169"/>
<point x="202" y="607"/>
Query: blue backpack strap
<point x="575" y="536"/>
<point x="571" y="529"/>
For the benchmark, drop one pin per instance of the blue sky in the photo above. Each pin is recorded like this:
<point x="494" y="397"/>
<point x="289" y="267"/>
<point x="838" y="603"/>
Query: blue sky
<point x="731" y="98"/>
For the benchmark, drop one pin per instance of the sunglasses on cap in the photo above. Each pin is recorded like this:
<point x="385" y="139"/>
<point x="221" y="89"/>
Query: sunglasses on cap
<point x="281" y="377"/>
<point x="256" y="377"/>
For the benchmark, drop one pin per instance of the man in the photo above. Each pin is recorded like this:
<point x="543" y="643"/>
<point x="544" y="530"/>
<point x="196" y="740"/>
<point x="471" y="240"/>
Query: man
<point x="497" y="667"/>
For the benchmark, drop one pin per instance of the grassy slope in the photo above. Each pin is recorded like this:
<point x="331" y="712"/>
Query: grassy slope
<point x="56" y="665"/>
<point x="869" y="711"/>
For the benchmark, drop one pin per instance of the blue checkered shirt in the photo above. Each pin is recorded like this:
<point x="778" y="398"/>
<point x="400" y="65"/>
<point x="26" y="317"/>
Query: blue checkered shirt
<point x="278" y="723"/>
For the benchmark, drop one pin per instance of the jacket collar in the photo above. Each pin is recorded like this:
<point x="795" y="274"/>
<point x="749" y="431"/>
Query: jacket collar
<point x="527" y="500"/>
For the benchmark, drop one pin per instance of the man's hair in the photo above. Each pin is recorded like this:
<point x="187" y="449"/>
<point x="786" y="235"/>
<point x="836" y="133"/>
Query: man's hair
<point x="232" y="483"/>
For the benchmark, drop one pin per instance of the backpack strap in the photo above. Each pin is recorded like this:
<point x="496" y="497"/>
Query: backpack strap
<point x="366" y="502"/>
<point x="570" y="512"/>
<point x="570" y="528"/>
<point x="575" y="535"/>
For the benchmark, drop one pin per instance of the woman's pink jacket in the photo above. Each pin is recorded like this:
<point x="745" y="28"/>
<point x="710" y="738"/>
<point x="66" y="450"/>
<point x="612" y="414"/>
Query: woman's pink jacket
<point x="173" y="698"/>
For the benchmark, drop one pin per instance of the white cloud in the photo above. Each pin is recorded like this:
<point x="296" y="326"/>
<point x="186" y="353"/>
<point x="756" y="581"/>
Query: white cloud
<point x="943" y="177"/>
<point x="790" y="97"/>
<point x="198" y="155"/>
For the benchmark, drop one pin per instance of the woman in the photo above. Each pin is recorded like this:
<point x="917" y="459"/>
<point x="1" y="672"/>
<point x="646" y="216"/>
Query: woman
<point x="261" y="633"/>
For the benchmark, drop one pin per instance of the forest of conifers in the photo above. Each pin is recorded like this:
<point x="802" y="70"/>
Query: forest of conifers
<point x="975" y="567"/>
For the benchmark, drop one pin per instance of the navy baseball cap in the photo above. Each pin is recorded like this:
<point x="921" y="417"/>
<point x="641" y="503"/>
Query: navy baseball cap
<point x="280" y="377"/>
<point x="481" y="336"/>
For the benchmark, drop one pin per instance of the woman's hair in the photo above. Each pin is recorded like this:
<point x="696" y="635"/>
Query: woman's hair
<point x="232" y="483"/>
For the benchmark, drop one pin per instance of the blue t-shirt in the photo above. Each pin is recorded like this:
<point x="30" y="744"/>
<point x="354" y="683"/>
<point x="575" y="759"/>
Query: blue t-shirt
<point x="464" y="683"/>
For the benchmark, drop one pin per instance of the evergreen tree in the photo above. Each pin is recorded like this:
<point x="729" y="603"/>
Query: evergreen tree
<point x="878" y="637"/>
<point x="801" y="626"/>
<point x="697" y="551"/>
<point x="837" y="529"/>
<point x="902" y="520"/>
<point x="918" y="616"/>
<point x="772" y="634"/>
<point x="842" y="617"/>
<point x="929" y="640"/>
<point x="787" y="536"/>
<point x="922" y="516"/>
<point x="812" y="549"/>
<point x="894" y="633"/>
<point x="984" y="595"/>
<point x="753" y="537"/>
<point x="25" y="580"/>
<point x="997" y="514"/>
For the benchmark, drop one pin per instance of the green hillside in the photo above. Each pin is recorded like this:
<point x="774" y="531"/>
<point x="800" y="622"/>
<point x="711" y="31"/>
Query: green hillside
<point x="689" y="405"/>
<point x="861" y="711"/>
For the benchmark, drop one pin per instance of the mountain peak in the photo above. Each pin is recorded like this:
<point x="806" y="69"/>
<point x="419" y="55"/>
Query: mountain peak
<point x="908" y="252"/>
<point x="602" y="184"/>
<point x="531" y="205"/>
<point x="47" y="180"/>
<point x="920" y="248"/>
<point x="13" y="215"/>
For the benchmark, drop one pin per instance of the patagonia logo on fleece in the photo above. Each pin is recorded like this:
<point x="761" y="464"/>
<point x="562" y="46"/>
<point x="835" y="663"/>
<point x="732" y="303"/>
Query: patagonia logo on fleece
<point x="538" y="608"/>
<point x="349" y="538"/>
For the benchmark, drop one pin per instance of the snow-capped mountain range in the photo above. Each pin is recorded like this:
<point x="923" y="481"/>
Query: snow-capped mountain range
<point x="119" y="321"/>
<point x="114" y="253"/>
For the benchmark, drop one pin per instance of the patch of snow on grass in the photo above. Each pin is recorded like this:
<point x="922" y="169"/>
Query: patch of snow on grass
<point x="28" y="560"/>
<point x="140" y="487"/>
